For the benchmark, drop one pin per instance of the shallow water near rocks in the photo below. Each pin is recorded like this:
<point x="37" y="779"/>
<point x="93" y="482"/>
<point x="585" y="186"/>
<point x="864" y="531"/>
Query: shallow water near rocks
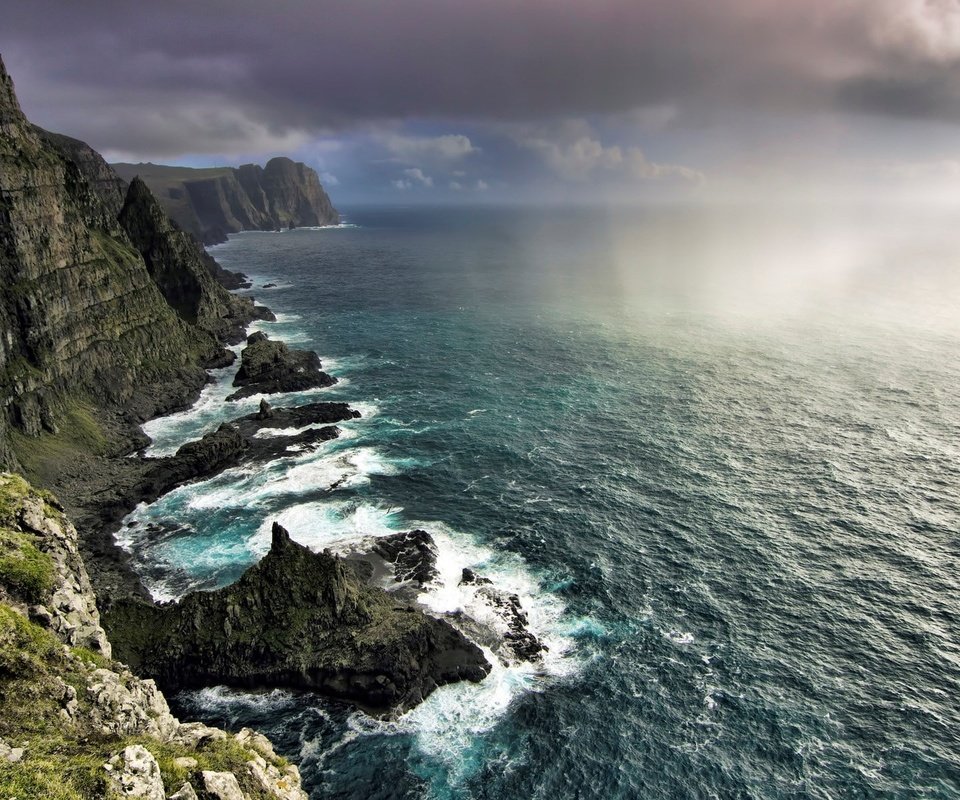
<point x="716" y="455"/>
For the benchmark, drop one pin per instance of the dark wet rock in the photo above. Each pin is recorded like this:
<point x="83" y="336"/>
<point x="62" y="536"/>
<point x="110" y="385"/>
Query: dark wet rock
<point x="219" y="360"/>
<point x="258" y="336"/>
<point x="413" y="555"/>
<point x="295" y="417"/>
<point x="268" y="367"/>
<point x="264" y="314"/>
<point x="269" y="286"/>
<point x="468" y="576"/>
<point x="301" y="620"/>
<point x="518" y="641"/>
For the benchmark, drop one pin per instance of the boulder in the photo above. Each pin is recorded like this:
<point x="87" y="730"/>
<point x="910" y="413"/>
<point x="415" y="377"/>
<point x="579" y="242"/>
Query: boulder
<point x="268" y="367"/>
<point x="135" y="773"/>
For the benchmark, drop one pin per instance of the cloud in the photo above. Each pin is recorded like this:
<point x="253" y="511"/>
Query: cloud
<point x="449" y="147"/>
<point x="947" y="169"/>
<point x="922" y="30"/>
<point x="172" y="77"/>
<point x="329" y="179"/>
<point x="417" y="175"/>
<point x="401" y="184"/>
<point x="482" y="186"/>
<point x="579" y="155"/>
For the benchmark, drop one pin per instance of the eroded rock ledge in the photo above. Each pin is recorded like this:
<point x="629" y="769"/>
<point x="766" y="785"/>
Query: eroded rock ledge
<point x="301" y="620"/>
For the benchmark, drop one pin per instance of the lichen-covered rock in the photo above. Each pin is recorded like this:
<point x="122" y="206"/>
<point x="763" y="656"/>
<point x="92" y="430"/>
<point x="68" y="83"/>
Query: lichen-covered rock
<point x="135" y="773"/>
<point x="69" y="607"/>
<point x="185" y="792"/>
<point x="125" y="705"/>
<point x="222" y="785"/>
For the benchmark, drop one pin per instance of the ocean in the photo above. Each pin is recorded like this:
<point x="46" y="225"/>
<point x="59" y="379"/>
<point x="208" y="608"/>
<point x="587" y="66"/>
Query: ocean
<point x="715" y="451"/>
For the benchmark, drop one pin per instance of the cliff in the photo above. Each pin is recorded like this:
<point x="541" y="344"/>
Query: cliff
<point x="178" y="267"/>
<point x="109" y="315"/>
<point x="86" y="326"/>
<point x="210" y="203"/>
<point x="76" y="723"/>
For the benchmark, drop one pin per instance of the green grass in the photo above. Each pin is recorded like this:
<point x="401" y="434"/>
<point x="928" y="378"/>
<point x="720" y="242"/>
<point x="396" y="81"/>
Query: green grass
<point x="25" y="571"/>
<point x="97" y="660"/>
<point x="13" y="489"/>
<point x="42" y="456"/>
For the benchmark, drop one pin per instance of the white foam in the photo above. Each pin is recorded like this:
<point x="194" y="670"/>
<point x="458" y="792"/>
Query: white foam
<point x="445" y="723"/>
<point x="334" y="524"/>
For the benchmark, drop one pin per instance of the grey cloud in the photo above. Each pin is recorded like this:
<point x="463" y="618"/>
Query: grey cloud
<point x="223" y="76"/>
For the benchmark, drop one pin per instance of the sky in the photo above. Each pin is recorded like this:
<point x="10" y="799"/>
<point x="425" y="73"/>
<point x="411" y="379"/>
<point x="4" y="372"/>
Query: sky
<point x="512" y="100"/>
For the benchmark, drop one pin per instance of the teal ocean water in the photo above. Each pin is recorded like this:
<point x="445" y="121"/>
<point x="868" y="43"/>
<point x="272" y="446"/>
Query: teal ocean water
<point x="715" y="452"/>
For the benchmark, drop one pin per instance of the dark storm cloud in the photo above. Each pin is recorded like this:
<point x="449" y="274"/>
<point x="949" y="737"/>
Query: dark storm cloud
<point x="177" y="76"/>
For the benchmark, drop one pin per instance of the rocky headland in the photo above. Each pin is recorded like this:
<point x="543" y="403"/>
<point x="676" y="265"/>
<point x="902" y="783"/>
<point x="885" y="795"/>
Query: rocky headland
<point x="299" y="619"/>
<point x="210" y="203"/>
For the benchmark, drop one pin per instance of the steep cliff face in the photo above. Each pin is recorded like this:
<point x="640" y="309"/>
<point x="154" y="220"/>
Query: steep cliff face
<point x="81" y="318"/>
<point x="177" y="264"/>
<point x="75" y="723"/>
<point x="210" y="203"/>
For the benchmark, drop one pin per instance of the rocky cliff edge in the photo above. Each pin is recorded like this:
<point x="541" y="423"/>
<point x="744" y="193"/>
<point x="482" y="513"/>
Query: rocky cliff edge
<point x="74" y="722"/>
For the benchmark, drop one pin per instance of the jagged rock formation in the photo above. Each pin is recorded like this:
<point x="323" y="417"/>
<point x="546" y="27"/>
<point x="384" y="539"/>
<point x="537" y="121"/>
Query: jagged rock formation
<point x="210" y="203"/>
<point x="107" y="189"/>
<point x="74" y="723"/>
<point x="298" y="619"/>
<point x="413" y="555"/>
<point x="268" y="366"/>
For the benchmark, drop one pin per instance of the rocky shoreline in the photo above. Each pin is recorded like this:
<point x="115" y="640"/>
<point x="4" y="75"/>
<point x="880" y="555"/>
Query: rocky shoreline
<point x="110" y="315"/>
<point x="347" y="662"/>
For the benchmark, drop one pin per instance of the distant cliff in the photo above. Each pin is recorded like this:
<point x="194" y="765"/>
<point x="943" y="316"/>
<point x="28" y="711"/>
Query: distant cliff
<point x="210" y="203"/>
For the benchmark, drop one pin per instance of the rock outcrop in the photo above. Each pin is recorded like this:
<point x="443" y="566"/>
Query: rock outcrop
<point x="210" y="203"/>
<point x="268" y="367"/>
<point x="80" y="315"/>
<point x="413" y="555"/>
<point x="302" y="620"/>
<point x="76" y="723"/>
